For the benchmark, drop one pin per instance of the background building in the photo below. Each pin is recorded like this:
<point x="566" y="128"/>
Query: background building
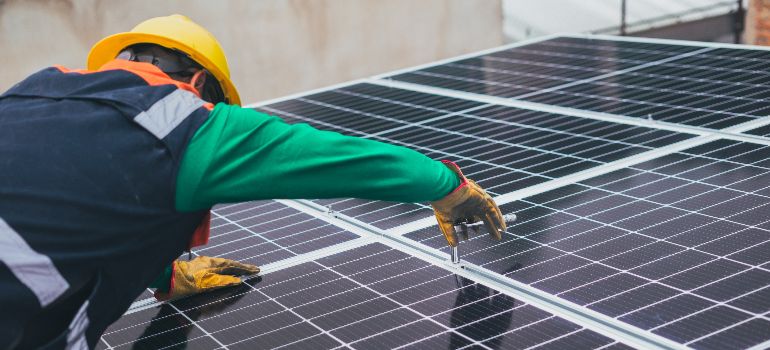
<point x="279" y="47"/>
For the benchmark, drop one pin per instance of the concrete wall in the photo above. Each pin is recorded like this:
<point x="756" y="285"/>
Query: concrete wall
<point x="275" y="47"/>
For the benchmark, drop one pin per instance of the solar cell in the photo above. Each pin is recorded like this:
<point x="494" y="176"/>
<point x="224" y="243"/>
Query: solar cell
<point x="370" y="297"/>
<point x="664" y="245"/>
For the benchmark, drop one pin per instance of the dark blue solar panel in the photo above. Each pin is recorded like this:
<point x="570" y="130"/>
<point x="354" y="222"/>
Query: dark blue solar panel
<point x="666" y="245"/>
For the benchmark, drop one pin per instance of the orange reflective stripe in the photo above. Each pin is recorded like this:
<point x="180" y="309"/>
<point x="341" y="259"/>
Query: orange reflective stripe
<point x="151" y="74"/>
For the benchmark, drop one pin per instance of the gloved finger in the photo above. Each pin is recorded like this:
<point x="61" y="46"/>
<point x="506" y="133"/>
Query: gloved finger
<point x="212" y="261"/>
<point x="448" y="229"/>
<point x="493" y="227"/>
<point x="205" y="280"/>
<point x="497" y="214"/>
<point x="238" y="268"/>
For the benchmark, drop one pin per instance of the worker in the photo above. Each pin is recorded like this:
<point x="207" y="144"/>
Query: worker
<point x="108" y="174"/>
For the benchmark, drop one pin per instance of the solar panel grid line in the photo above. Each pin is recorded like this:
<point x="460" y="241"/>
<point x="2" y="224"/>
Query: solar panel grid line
<point x="639" y="276"/>
<point x="499" y="282"/>
<point x="603" y="169"/>
<point x="702" y="45"/>
<point x="579" y="314"/>
<point x="468" y="55"/>
<point x="449" y="131"/>
<point x="696" y="78"/>
<point x="488" y="119"/>
<point x="323" y="331"/>
<point x="199" y="327"/>
<point x="672" y="103"/>
<point x="503" y="123"/>
<point x="108" y="346"/>
<point x="254" y="234"/>
<point x="454" y="78"/>
<point x="720" y="330"/>
<point x="268" y="240"/>
<point x="763" y="140"/>
<point x="241" y="227"/>
<point x="617" y="72"/>
<point x="270" y="267"/>
<point x="736" y="155"/>
<point x="541" y="107"/>
<point x="382" y="138"/>
<point x="407" y="307"/>
<point x="442" y="117"/>
<point x="554" y="339"/>
<point x="331" y="206"/>
<point x="654" y="238"/>
<point x="264" y="316"/>
<point x="359" y="272"/>
<point x="568" y="179"/>
<point x="519" y="73"/>
<point x="662" y="41"/>
<point x="440" y="295"/>
<point x="301" y="117"/>
<point x="716" y="187"/>
<point x="760" y="346"/>
<point x="733" y="58"/>
<point x="689" y="95"/>
<point x="221" y="215"/>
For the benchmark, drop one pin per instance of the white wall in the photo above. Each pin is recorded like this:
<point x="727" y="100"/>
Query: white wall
<point x="275" y="47"/>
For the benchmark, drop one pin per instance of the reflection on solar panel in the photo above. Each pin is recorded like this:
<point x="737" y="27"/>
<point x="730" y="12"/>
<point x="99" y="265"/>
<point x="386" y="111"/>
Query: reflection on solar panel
<point x="631" y="232"/>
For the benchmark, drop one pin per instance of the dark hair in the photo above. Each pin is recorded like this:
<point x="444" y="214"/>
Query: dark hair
<point x="211" y="90"/>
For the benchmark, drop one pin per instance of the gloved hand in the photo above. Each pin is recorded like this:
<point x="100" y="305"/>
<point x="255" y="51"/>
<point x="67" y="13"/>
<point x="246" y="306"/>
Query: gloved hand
<point x="467" y="202"/>
<point x="203" y="274"/>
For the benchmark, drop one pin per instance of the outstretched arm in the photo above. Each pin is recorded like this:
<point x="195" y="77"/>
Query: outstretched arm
<point x="240" y="154"/>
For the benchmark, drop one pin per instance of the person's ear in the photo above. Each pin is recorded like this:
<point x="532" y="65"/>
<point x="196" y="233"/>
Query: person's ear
<point x="199" y="80"/>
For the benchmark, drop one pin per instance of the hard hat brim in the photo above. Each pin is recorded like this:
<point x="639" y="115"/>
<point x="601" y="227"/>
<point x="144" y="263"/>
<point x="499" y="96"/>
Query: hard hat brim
<point x="108" y="48"/>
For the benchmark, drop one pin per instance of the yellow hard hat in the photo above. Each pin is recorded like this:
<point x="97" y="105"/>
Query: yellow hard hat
<point x="173" y="32"/>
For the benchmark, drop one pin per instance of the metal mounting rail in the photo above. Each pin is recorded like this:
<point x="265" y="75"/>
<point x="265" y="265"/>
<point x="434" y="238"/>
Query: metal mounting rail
<point x="578" y="314"/>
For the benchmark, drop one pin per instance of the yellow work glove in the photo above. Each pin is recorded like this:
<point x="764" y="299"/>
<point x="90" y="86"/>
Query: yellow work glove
<point x="203" y="274"/>
<point x="467" y="202"/>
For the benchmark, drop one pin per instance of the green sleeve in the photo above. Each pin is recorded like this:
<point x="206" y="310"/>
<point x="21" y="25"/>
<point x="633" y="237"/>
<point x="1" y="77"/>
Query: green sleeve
<point x="240" y="154"/>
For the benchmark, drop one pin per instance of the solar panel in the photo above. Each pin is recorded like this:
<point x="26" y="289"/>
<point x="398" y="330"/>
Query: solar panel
<point x="698" y="86"/>
<point x="674" y="245"/>
<point x="547" y="64"/>
<point x="631" y="232"/>
<point x="370" y="297"/>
